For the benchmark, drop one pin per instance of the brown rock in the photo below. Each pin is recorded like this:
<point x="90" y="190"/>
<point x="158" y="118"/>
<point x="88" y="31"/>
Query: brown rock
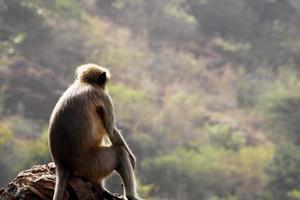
<point x="38" y="183"/>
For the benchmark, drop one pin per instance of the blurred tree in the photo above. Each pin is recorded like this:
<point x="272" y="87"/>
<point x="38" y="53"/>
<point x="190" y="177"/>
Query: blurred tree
<point x="208" y="172"/>
<point x="20" y="152"/>
<point x="228" y="18"/>
<point x="294" y="194"/>
<point x="164" y="21"/>
<point x="35" y="151"/>
<point x="280" y="103"/>
<point x="6" y="138"/>
<point x="283" y="173"/>
<point x="223" y="136"/>
<point x="266" y="26"/>
<point x="17" y="22"/>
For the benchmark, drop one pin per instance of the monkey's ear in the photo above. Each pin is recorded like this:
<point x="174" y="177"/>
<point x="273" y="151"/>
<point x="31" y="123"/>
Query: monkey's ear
<point x="102" y="79"/>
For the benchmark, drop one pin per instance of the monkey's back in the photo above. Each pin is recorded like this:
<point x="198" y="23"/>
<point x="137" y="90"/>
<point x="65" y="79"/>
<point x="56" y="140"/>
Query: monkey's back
<point x="74" y="124"/>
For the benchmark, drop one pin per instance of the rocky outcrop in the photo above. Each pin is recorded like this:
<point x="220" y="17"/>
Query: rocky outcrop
<point x="38" y="183"/>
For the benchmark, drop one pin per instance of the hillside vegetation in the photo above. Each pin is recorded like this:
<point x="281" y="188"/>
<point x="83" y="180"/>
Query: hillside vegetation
<point x="206" y="91"/>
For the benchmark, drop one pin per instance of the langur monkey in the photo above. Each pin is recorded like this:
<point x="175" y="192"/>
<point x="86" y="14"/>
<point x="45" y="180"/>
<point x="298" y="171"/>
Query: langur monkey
<point x="81" y="119"/>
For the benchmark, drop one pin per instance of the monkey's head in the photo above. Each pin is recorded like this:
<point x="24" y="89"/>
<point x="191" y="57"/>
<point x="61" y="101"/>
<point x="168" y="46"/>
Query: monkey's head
<point x="92" y="74"/>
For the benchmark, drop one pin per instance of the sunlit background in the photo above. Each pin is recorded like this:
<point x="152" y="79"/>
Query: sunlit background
<point x="207" y="92"/>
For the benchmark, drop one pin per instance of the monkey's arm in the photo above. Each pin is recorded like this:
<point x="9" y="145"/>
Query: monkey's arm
<point x="113" y="133"/>
<point x="117" y="139"/>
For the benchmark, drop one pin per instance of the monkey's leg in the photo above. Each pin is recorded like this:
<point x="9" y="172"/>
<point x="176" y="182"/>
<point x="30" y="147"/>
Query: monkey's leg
<point x="97" y="164"/>
<point x="117" y="139"/>
<point x="102" y="161"/>
<point x="117" y="158"/>
<point x="125" y="169"/>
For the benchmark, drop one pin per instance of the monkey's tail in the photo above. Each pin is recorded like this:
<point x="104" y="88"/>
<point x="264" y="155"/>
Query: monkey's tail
<point x="62" y="177"/>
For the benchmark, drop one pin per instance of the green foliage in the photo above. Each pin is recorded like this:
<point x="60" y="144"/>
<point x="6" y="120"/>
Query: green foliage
<point x="146" y="145"/>
<point x="279" y="103"/>
<point x="209" y="172"/>
<point x="20" y="149"/>
<point x="1" y="98"/>
<point x="266" y="27"/>
<point x="66" y="3"/>
<point x="227" y="198"/>
<point x="10" y="45"/>
<point x="187" y="127"/>
<point x="120" y="57"/>
<point x="294" y="194"/>
<point x="66" y="8"/>
<point x="128" y="101"/>
<point x="145" y="190"/>
<point x="5" y="134"/>
<point x="224" y="17"/>
<point x="229" y="46"/>
<point x="222" y="135"/>
<point x="35" y="151"/>
<point x="283" y="173"/>
<point x="164" y="20"/>
<point x="18" y="19"/>
<point x="6" y="152"/>
<point x="248" y="93"/>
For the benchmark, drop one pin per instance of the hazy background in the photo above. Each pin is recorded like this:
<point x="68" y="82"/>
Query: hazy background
<point x="206" y="91"/>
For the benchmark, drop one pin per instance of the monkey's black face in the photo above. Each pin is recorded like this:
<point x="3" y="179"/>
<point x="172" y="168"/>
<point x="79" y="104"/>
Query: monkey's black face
<point x="102" y="79"/>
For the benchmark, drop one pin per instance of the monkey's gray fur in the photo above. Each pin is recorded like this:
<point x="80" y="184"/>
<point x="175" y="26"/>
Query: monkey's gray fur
<point x="81" y="119"/>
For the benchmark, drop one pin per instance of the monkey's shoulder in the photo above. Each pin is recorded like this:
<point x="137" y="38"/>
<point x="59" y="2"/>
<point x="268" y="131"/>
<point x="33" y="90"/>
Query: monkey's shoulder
<point x="84" y="96"/>
<point x="74" y="103"/>
<point x="83" y="92"/>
